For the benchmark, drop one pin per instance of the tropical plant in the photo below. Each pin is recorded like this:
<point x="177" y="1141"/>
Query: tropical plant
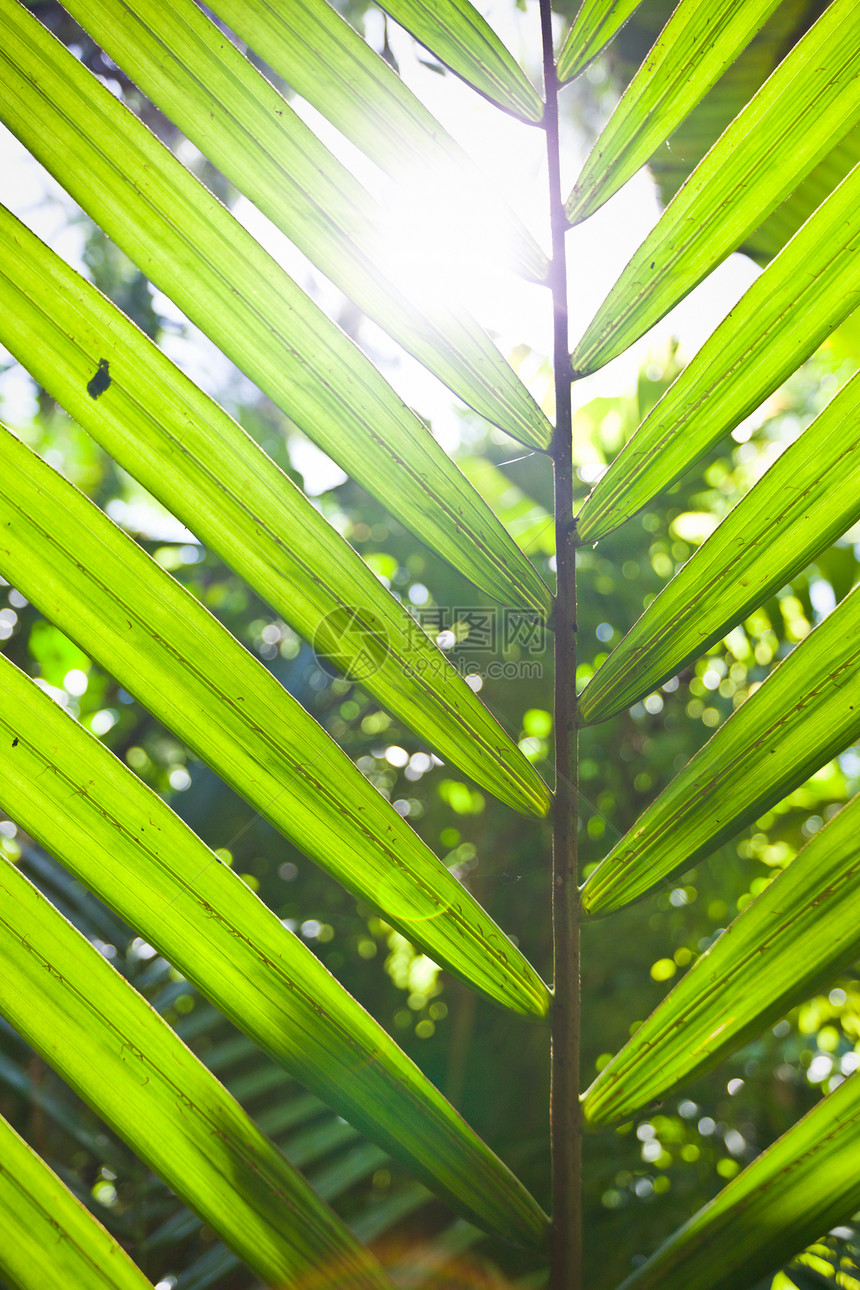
<point x="778" y="180"/>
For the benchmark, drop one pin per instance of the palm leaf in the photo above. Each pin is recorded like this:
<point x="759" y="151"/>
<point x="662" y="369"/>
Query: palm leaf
<point x="786" y="153"/>
<point x="811" y="286"/>
<point x="806" y="711"/>
<point x="224" y="281"/>
<point x="456" y="33"/>
<point x="794" y="1191"/>
<point x="323" y="59"/>
<point x="202" y="82"/>
<point x="162" y="645"/>
<point x="46" y="1234"/>
<point x="595" y="24"/>
<point x="186" y="450"/>
<point x="126" y="1062"/>
<point x="118" y="838"/>
<point x="806" y="107"/>
<point x="698" y="43"/>
<point x="808" y="499"/>
<point x="673" y="162"/>
<point x="801" y="930"/>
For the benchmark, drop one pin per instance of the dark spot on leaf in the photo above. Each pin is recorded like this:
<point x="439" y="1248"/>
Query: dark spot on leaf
<point x="15" y="743"/>
<point x="100" y="381"/>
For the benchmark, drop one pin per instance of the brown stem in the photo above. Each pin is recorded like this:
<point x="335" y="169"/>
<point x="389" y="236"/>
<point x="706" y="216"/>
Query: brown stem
<point x="565" y="1116"/>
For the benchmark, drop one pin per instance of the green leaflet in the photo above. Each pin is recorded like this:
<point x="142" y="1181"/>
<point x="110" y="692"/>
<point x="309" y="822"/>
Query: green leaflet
<point x="190" y="454"/>
<point x="127" y="1064"/>
<point x="701" y="39"/>
<point x="800" y="930"/>
<point x="329" y="1183"/>
<point x="187" y="243"/>
<point x="807" y="500"/>
<point x="769" y="239"/>
<point x="594" y="26"/>
<point x="304" y="1149"/>
<point x="456" y="33"/>
<point x="806" y="711"/>
<point x="811" y="286"/>
<point x="528" y="523"/>
<point x="801" y="112"/>
<point x="323" y="59"/>
<point x="57" y="1110"/>
<point x="47" y="1237"/>
<point x="96" y="584"/>
<point x="177" y="56"/>
<point x="115" y="835"/>
<point x="673" y="162"/>
<point x="800" y="1187"/>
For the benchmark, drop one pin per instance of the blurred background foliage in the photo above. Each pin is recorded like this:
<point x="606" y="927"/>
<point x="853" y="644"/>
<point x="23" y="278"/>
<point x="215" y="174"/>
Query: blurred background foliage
<point x="643" y="1178"/>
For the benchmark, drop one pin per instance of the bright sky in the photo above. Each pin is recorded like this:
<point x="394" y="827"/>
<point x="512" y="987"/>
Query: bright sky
<point x="516" y="313"/>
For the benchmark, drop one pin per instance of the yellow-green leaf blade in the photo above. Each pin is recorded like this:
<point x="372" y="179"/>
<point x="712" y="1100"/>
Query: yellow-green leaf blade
<point x="456" y="33"/>
<point x="797" y="1189"/>
<point x="800" y="930"/>
<point x="125" y="844"/>
<point x="65" y="556"/>
<point x="801" y="112"/>
<point x="311" y="46"/>
<point x="177" y="56"/>
<point x="701" y="39"/>
<point x="118" y="1054"/>
<point x="771" y="236"/>
<point x="47" y="1237"/>
<point x="671" y="165"/>
<point x="806" y="711"/>
<point x="199" y="254"/>
<point x="811" y="286"/>
<point x="526" y="520"/>
<point x="595" y="24"/>
<point x="191" y="455"/>
<point x="805" y="501"/>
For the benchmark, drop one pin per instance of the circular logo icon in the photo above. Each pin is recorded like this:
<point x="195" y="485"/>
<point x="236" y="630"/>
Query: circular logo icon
<point x="351" y="642"/>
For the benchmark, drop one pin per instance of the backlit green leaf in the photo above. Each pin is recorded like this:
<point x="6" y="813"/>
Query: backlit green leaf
<point x="802" y="111"/>
<point x="311" y="46"/>
<point x="801" y="930"/>
<point x="177" y="56"/>
<point x="121" y="840"/>
<point x="798" y="1188"/>
<point x="456" y="33"/>
<point x="96" y="584"/>
<point x="191" y="455"/>
<point x="329" y="1183"/>
<point x="811" y="286"/>
<point x="806" y="711"/>
<point x="595" y="24"/>
<point x="187" y="243"/>
<point x="528" y="523"/>
<point x="122" y="1059"/>
<point x="771" y="236"/>
<point x="46" y="1235"/>
<point x="673" y="162"/>
<point x="808" y="499"/>
<point x="700" y="40"/>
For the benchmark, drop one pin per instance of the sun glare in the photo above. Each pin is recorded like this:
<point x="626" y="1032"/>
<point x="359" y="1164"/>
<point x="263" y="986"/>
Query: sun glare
<point x="440" y="240"/>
